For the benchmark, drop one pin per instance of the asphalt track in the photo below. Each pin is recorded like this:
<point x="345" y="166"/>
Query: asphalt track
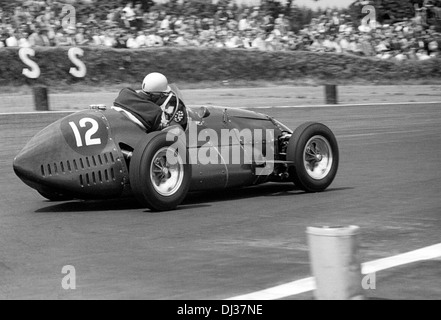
<point x="224" y="244"/>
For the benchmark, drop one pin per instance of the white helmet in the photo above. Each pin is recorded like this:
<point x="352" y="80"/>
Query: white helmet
<point x="155" y="82"/>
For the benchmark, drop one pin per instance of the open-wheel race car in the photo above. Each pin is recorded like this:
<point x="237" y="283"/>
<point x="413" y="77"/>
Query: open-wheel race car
<point x="101" y="153"/>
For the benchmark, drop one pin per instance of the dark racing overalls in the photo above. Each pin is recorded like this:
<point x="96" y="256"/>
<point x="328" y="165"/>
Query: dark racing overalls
<point x="138" y="104"/>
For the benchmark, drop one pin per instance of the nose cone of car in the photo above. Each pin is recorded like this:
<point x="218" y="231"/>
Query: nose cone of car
<point x="63" y="160"/>
<point x="29" y="163"/>
<point x="23" y="166"/>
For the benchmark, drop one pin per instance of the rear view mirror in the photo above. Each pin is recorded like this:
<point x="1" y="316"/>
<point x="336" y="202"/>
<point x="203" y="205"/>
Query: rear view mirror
<point x="204" y="113"/>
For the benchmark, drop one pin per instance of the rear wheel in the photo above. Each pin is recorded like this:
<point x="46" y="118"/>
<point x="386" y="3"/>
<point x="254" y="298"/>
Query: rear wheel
<point x="156" y="182"/>
<point x="314" y="150"/>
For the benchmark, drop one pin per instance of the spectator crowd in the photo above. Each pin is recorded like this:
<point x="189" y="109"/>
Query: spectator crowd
<point x="40" y="23"/>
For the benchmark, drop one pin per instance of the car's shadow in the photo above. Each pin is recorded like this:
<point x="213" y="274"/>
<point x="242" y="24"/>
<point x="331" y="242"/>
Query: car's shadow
<point x="103" y="205"/>
<point x="267" y="190"/>
<point x="193" y="200"/>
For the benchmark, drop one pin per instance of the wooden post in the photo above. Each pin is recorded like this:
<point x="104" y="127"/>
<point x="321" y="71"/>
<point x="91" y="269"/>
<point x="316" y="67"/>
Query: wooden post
<point x="41" y="99"/>
<point x="331" y="94"/>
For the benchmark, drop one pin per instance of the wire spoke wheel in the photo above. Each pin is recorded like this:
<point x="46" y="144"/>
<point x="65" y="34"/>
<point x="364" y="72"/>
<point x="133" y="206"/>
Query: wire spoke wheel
<point x="318" y="157"/>
<point x="313" y="149"/>
<point x="166" y="178"/>
<point x="159" y="175"/>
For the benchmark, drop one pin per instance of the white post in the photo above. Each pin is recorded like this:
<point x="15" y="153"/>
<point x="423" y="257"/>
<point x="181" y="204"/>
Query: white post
<point x="334" y="262"/>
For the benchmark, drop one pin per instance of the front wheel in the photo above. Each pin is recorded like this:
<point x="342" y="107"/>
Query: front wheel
<point x="156" y="182"/>
<point x="314" y="150"/>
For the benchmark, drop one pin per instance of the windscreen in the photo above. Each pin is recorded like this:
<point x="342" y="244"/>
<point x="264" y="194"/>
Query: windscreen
<point x="177" y="92"/>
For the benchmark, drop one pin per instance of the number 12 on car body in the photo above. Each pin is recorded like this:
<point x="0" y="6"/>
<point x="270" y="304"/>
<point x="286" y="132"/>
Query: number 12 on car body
<point x="89" y="140"/>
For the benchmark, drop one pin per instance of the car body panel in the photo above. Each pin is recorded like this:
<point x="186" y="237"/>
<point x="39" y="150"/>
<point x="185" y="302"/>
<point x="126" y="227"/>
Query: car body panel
<point x="55" y="159"/>
<point x="84" y="154"/>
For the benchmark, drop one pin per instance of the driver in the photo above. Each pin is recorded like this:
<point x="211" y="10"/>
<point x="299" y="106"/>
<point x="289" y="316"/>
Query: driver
<point x="148" y="108"/>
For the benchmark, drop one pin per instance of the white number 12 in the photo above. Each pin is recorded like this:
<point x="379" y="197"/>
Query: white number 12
<point x="88" y="137"/>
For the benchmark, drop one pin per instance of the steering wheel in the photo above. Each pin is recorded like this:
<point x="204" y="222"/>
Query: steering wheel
<point x="175" y="111"/>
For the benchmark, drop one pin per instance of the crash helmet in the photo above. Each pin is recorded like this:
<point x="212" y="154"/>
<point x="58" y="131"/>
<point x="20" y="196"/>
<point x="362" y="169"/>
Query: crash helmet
<point x="155" y="83"/>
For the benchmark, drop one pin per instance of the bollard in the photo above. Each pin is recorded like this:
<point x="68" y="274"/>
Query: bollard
<point x="335" y="265"/>
<point x="41" y="99"/>
<point x="331" y="94"/>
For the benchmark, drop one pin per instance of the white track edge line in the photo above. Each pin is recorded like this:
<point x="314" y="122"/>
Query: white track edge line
<point x="250" y="107"/>
<point x="348" y="105"/>
<point x="26" y="113"/>
<point x="308" y="284"/>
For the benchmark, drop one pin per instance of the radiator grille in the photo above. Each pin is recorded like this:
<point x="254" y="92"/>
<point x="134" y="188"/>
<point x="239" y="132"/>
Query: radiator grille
<point x="93" y="165"/>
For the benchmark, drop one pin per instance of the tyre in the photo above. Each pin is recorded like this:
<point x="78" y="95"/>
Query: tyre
<point x="314" y="150"/>
<point x="157" y="183"/>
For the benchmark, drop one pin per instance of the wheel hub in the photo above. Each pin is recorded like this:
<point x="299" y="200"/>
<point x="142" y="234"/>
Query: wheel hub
<point x="166" y="178"/>
<point x="318" y="157"/>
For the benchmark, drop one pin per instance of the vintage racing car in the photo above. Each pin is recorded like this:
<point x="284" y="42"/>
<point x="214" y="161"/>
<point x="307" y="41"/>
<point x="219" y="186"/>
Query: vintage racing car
<point x="100" y="153"/>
